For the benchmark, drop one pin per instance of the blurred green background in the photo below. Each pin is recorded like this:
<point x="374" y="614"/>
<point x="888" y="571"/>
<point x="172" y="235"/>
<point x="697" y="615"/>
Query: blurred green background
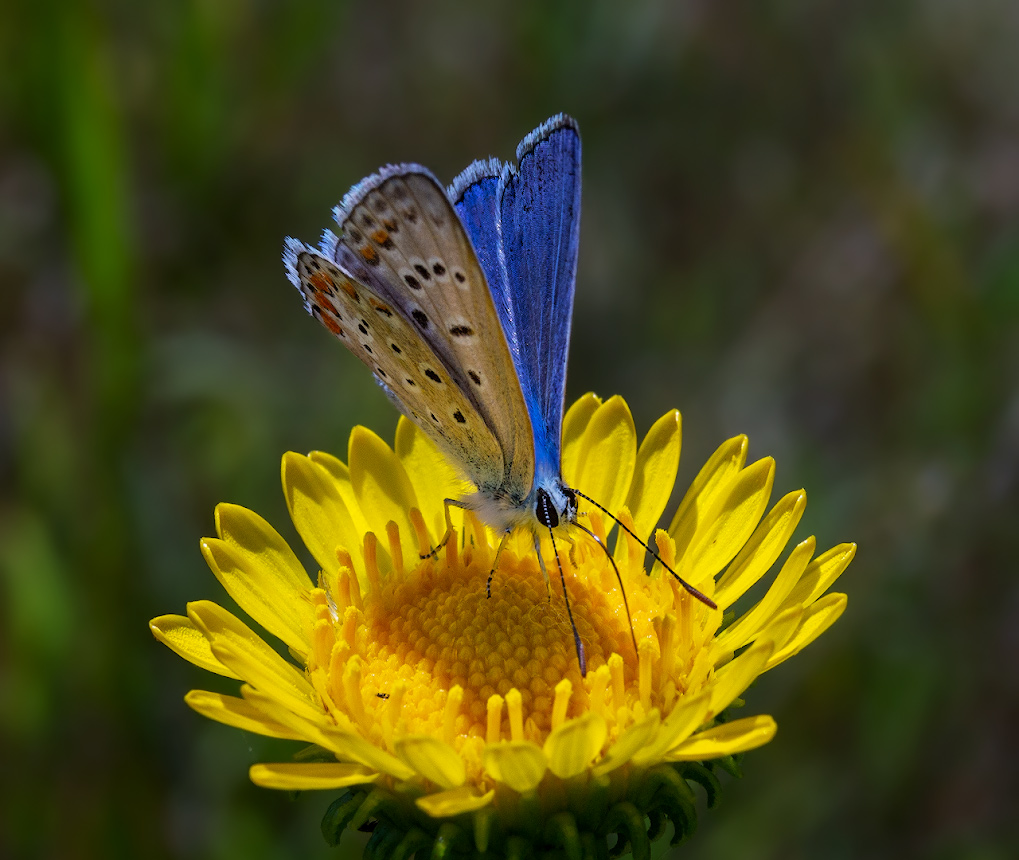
<point x="801" y="221"/>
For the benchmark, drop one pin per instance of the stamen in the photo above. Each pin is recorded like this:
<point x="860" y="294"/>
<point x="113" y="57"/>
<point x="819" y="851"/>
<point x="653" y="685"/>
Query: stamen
<point x="341" y="596"/>
<point x="352" y="619"/>
<point x="493" y="734"/>
<point x="477" y="540"/>
<point x="515" y="706"/>
<point x="619" y="579"/>
<point x="371" y="562"/>
<point x="352" y="690"/>
<point x="323" y="636"/>
<point x="667" y="646"/>
<point x="563" y="691"/>
<point x="347" y="568"/>
<point x="337" y="660"/>
<point x="703" y="598"/>
<point x="599" y="687"/>
<point x="395" y="550"/>
<point x="450" y="711"/>
<point x="645" y="658"/>
<point x="618" y="686"/>
<point x="420" y="532"/>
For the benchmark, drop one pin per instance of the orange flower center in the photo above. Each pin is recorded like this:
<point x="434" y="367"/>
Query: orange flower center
<point x="437" y="628"/>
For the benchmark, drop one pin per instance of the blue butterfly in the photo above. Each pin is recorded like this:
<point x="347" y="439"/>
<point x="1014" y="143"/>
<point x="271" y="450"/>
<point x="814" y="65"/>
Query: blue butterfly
<point x="460" y="301"/>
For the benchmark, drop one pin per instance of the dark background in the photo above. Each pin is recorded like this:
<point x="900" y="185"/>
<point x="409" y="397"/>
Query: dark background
<point x="800" y="222"/>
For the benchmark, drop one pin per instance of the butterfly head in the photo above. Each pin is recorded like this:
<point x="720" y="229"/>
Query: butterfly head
<point x="555" y="504"/>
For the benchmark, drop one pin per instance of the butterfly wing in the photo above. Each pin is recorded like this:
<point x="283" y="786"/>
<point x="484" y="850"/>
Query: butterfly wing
<point x="402" y="241"/>
<point x="539" y="222"/>
<point x="378" y="333"/>
<point x="475" y="196"/>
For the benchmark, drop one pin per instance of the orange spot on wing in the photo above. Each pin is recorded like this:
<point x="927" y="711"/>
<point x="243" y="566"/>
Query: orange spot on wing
<point x="369" y="253"/>
<point x="348" y="288"/>
<point x="321" y="282"/>
<point x="379" y="237"/>
<point x="329" y="321"/>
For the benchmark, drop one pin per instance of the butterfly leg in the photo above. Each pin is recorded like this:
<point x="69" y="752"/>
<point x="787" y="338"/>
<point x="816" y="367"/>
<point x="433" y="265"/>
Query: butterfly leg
<point x="581" y="658"/>
<point x="495" y="564"/>
<point x="446" y="505"/>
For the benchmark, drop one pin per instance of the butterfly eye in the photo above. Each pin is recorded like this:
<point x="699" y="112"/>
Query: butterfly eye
<point x="544" y="510"/>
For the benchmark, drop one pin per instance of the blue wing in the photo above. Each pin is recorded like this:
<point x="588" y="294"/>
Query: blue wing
<point x="474" y="195"/>
<point x="539" y="232"/>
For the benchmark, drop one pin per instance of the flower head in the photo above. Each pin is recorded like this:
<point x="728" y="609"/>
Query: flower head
<point x="451" y="715"/>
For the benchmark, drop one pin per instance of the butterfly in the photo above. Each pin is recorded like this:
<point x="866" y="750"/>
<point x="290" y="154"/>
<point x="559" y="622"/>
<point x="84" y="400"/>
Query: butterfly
<point x="459" y="300"/>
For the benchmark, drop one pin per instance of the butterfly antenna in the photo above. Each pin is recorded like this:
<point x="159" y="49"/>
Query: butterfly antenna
<point x="562" y="578"/>
<point x="703" y="598"/>
<point x="619" y="579"/>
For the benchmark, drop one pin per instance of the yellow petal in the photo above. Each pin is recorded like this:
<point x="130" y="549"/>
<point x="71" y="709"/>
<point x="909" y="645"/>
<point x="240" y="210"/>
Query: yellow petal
<point x="821" y="573"/>
<point x="382" y="487"/>
<point x="182" y="637"/>
<point x="744" y="629"/>
<point x="654" y="475"/>
<point x="733" y="678"/>
<point x="260" y="571"/>
<point x="239" y="713"/>
<point x="454" y="802"/>
<point x="575" y="422"/>
<point x="571" y="747"/>
<point x="629" y="743"/>
<point x="519" y="764"/>
<point x="817" y="617"/>
<point x="781" y="629"/>
<point x="319" y="513"/>
<point x="726" y="739"/>
<point x="716" y="474"/>
<point x="735" y="513"/>
<point x="690" y="713"/>
<point x="762" y="550"/>
<point x="433" y="759"/>
<point x="340" y="474"/>
<point x="431" y="476"/>
<point x="241" y="650"/>
<point x="344" y="744"/>
<point x="305" y="726"/>
<point x="309" y="776"/>
<point x="608" y="454"/>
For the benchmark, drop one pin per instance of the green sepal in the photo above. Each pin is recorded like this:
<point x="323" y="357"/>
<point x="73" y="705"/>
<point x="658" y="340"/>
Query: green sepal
<point x="414" y="840"/>
<point x="450" y="839"/>
<point x="561" y="831"/>
<point x="696" y="772"/>
<point x="518" y="848"/>
<point x="729" y="764"/>
<point x="628" y="822"/>
<point x="384" y="840"/>
<point x="340" y="813"/>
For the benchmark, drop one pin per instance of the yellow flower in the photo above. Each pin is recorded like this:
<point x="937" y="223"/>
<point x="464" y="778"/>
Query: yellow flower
<point x="456" y="718"/>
